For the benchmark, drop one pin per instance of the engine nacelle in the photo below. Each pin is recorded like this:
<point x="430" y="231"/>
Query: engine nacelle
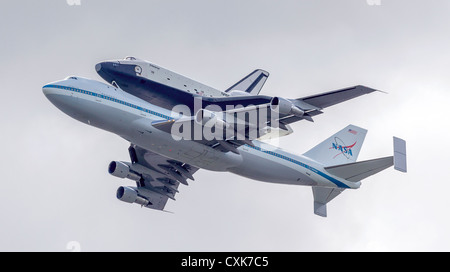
<point x="130" y="195"/>
<point x="285" y="107"/>
<point x="121" y="170"/>
<point x="210" y="119"/>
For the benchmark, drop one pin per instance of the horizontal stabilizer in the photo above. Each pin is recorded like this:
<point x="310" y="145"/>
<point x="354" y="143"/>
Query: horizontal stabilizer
<point x="322" y="196"/>
<point x="360" y="170"/>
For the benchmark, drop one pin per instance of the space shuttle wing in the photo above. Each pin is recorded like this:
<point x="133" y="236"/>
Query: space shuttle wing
<point x="158" y="177"/>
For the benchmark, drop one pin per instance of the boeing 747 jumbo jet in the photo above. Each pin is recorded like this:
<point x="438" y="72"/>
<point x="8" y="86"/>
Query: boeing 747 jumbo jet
<point x="177" y="126"/>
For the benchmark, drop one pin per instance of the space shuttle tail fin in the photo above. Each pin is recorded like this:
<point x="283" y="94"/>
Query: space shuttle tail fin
<point x="252" y="84"/>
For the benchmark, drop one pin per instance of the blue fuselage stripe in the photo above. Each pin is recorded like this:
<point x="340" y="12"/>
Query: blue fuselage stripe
<point x="333" y="180"/>
<point x="110" y="99"/>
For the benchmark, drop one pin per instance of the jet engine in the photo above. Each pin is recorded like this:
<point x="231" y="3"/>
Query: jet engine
<point x="130" y="195"/>
<point x="121" y="170"/>
<point x="285" y="107"/>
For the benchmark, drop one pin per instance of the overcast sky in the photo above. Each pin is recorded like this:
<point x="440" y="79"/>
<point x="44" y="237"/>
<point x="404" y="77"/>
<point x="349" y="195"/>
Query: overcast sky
<point x="55" y="184"/>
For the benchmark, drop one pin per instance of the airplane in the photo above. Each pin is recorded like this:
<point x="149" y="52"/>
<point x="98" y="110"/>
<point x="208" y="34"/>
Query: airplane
<point x="215" y="130"/>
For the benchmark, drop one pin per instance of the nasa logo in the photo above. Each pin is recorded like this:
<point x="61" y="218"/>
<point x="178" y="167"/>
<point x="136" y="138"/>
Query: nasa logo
<point x="345" y="150"/>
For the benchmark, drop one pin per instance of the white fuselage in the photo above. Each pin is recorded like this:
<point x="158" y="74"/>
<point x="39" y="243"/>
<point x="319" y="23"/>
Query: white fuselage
<point x="111" y="109"/>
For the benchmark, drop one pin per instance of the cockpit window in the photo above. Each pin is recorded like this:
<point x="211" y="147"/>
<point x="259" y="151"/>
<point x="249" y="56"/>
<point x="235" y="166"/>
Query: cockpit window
<point x="72" y="77"/>
<point x="130" y="58"/>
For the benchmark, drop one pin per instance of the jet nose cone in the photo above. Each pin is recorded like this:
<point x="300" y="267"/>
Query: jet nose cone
<point x="45" y="90"/>
<point x="50" y="91"/>
<point x="50" y="88"/>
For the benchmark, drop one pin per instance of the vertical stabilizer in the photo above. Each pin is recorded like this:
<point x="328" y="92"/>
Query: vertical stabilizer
<point x="341" y="148"/>
<point x="400" y="155"/>
<point x="252" y="83"/>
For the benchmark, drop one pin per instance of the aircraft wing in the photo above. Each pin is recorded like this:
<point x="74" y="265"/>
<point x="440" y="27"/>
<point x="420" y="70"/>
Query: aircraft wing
<point x="160" y="176"/>
<point x="316" y="103"/>
<point x="251" y="118"/>
<point x="328" y="99"/>
<point x="311" y="105"/>
<point x="186" y="128"/>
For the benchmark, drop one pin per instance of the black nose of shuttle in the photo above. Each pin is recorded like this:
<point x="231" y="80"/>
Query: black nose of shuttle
<point x="98" y="67"/>
<point x="107" y="70"/>
<point x="107" y="66"/>
<point x="125" y="73"/>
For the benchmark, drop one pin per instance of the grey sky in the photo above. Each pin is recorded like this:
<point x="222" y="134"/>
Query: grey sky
<point x="55" y="183"/>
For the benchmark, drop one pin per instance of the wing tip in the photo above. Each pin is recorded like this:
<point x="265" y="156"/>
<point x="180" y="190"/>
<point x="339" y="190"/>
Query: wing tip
<point x="267" y="74"/>
<point x="369" y="90"/>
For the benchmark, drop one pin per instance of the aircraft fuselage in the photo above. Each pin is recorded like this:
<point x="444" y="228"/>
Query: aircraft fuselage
<point x="111" y="109"/>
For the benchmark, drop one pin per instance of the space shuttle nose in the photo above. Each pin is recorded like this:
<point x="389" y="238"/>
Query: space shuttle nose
<point x="110" y="70"/>
<point x="98" y="67"/>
